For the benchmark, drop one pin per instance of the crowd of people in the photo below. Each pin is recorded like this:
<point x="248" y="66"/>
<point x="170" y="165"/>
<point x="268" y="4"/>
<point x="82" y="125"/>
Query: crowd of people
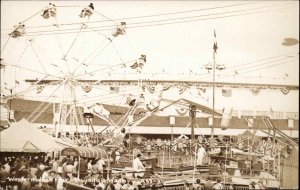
<point x="43" y="173"/>
<point x="182" y="144"/>
<point x="52" y="171"/>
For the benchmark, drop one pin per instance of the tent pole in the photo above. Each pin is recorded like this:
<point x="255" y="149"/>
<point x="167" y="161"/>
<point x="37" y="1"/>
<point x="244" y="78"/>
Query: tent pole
<point x="78" y="171"/>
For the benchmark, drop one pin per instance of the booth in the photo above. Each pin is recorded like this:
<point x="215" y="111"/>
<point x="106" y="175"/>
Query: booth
<point x="85" y="152"/>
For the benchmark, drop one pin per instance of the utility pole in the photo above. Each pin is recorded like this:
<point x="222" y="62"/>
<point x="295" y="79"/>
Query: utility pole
<point x="213" y="67"/>
<point x="9" y="108"/>
<point x="192" y="113"/>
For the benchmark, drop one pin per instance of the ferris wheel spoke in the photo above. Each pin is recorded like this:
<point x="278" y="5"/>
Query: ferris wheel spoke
<point x="4" y="46"/>
<point x="50" y="58"/>
<point x="83" y="63"/>
<point x="42" y="104"/>
<point x="57" y="37"/>
<point x="32" y="16"/>
<point x="73" y="42"/>
<point x="35" y="71"/>
<point x="39" y="60"/>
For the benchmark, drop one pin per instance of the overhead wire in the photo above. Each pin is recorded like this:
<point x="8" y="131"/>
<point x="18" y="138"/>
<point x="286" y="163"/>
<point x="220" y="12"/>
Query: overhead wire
<point x="240" y="70"/>
<point x="167" y="21"/>
<point x="151" y="15"/>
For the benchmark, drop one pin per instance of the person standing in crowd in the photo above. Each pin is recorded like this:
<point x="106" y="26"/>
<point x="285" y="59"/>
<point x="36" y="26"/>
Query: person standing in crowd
<point x="90" y="167"/>
<point x="197" y="185"/>
<point x="83" y="168"/>
<point x="55" y="165"/>
<point x="75" y="165"/>
<point x="200" y="155"/>
<point x="26" y="183"/>
<point x="208" y="185"/>
<point x="100" y="164"/>
<point x="3" y="176"/>
<point x="45" y="177"/>
<point x="137" y="165"/>
<point x="7" y="166"/>
<point x="218" y="185"/>
<point x="60" y="182"/>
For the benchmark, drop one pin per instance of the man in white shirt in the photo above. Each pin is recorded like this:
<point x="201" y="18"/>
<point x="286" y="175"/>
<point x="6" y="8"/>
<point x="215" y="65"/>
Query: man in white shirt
<point x="138" y="166"/>
<point x="60" y="182"/>
<point x="218" y="185"/>
<point x="200" y="155"/>
<point x="100" y="163"/>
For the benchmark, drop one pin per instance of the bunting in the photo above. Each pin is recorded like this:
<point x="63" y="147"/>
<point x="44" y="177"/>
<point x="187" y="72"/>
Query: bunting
<point x="181" y="89"/>
<point x="255" y="91"/>
<point x="39" y="88"/>
<point x="167" y="87"/>
<point x="86" y="87"/>
<point x="151" y="89"/>
<point x="285" y="91"/>
<point x="181" y="111"/>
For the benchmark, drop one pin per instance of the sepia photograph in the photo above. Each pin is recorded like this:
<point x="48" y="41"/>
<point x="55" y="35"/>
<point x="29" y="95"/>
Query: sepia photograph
<point x="142" y="95"/>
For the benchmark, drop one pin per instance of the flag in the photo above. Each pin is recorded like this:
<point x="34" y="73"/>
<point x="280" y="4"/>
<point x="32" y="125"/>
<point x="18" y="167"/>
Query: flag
<point x="271" y="112"/>
<point x="17" y="82"/>
<point x="226" y="93"/>
<point x="114" y="89"/>
<point x="215" y="47"/>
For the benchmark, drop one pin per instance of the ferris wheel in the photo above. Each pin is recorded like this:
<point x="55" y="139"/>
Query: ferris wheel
<point x="60" y="52"/>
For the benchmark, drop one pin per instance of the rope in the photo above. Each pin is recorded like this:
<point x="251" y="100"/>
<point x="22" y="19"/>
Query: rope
<point x="99" y="52"/>
<point x="105" y="17"/>
<point x="31" y="16"/>
<point x="5" y="44"/>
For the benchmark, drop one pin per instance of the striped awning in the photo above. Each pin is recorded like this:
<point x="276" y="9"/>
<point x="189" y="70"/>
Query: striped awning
<point x="87" y="152"/>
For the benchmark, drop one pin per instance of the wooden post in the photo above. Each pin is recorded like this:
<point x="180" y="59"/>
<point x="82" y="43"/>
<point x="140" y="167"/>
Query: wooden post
<point x="78" y="171"/>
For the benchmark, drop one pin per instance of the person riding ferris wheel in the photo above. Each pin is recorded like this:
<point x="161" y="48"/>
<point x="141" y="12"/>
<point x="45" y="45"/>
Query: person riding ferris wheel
<point x="61" y="54"/>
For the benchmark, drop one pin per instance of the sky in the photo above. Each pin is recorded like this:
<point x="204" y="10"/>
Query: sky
<point x="176" y="36"/>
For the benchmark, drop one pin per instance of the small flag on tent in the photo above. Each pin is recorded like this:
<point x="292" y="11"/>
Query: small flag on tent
<point x="114" y="89"/>
<point x="215" y="47"/>
<point x="226" y="92"/>
<point x="17" y="82"/>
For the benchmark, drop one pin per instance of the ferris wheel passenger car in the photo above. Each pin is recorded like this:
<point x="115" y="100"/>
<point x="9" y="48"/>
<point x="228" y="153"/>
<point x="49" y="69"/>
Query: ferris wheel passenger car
<point x="19" y="31"/>
<point x="121" y="30"/>
<point x="50" y="10"/>
<point x="86" y="12"/>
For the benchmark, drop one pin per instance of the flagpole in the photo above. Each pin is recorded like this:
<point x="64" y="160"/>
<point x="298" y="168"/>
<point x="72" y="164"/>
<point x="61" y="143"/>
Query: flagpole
<point x="214" y="68"/>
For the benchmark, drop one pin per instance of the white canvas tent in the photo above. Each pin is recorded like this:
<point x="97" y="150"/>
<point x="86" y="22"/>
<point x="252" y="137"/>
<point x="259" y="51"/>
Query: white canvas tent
<point x="24" y="137"/>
